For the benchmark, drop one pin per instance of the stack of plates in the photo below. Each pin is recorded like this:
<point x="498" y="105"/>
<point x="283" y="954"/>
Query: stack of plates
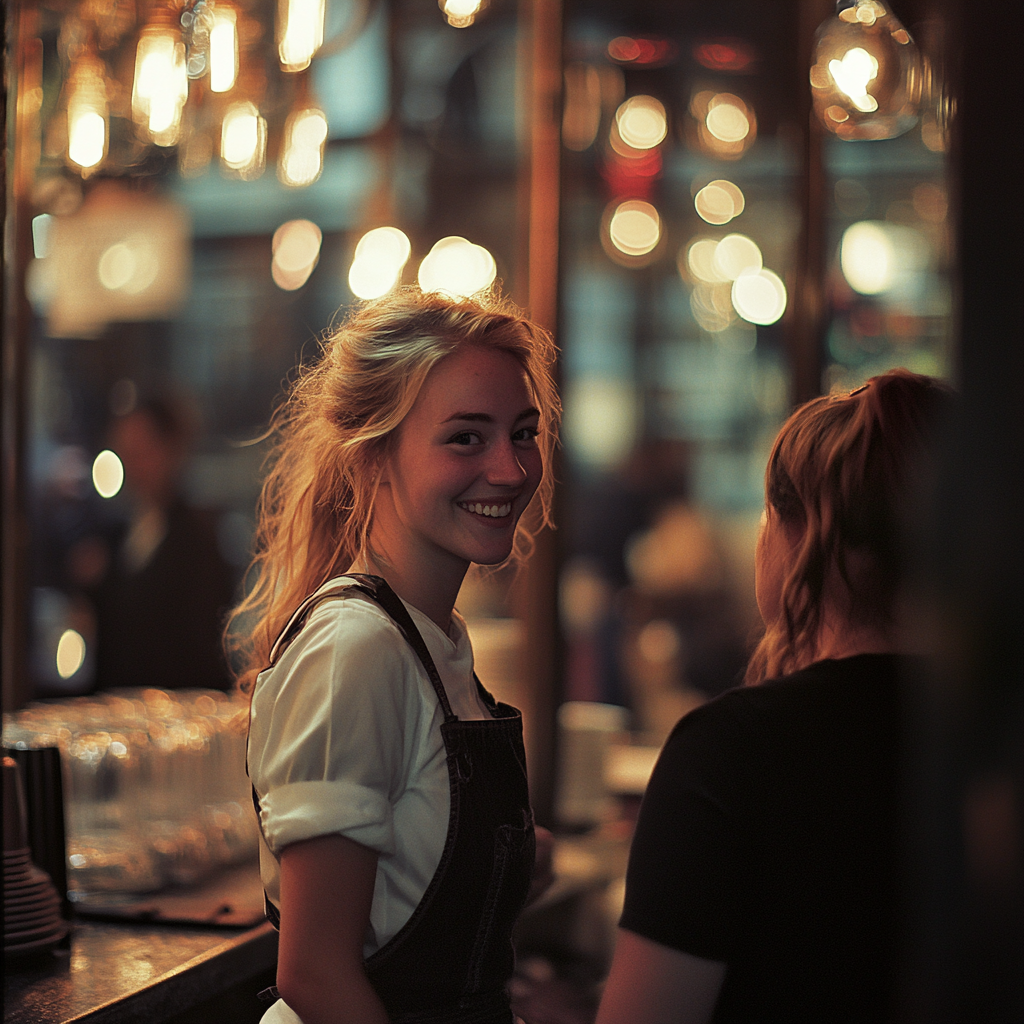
<point x="32" y="919"/>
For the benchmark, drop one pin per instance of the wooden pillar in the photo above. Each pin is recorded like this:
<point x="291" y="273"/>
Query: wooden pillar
<point x="537" y="590"/>
<point x="21" y="135"/>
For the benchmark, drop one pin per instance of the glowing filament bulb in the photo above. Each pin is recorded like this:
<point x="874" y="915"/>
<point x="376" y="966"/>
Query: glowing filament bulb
<point x="460" y="13"/>
<point x="161" y="85"/>
<point x="852" y="74"/>
<point x="302" y="24"/>
<point x="223" y="50"/>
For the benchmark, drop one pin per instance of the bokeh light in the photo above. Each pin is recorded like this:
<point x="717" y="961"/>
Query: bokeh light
<point x="726" y="120"/>
<point x="302" y="24"/>
<point x="379" y="259"/>
<point x="107" y="474"/>
<point x="719" y="202"/>
<point x="726" y="126"/>
<point x="457" y="267"/>
<point x="735" y="255"/>
<point x="876" y="256"/>
<point x="698" y="258"/>
<point x="635" y="228"/>
<point x="641" y="122"/>
<point x="759" y="297"/>
<point x="70" y="653"/>
<point x="243" y="140"/>
<point x="866" y="257"/>
<point x="302" y="159"/>
<point x="296" y="249"/>
<point x="223" y="49"/>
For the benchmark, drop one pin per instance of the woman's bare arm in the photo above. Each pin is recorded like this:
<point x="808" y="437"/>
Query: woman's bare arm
<point x="326" y="893"/>
<point x="653" y="984"/>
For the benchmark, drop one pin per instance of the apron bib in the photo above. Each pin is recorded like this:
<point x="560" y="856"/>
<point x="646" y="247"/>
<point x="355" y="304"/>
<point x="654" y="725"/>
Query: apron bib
<point x="451" y="961"/>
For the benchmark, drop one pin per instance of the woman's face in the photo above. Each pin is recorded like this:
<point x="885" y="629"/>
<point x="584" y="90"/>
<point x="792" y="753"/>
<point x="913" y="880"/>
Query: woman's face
<point x="465" y="466"/>
<point x="776" y="549"/>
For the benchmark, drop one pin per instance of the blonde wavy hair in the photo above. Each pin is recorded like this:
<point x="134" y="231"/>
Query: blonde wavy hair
<point x="334" y="433"/>
<point x="843" y="472"/>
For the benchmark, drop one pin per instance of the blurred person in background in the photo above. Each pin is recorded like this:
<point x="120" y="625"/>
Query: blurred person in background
<point x="163" y="599"/>
<point x="763" y="876"/>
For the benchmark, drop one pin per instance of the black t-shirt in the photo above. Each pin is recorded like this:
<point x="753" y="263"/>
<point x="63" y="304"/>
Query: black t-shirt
<point x="767" y="840"/>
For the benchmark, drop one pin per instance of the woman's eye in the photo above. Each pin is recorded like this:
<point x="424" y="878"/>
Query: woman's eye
<point x="525" y="434"/>
<point x="466" y="437"/>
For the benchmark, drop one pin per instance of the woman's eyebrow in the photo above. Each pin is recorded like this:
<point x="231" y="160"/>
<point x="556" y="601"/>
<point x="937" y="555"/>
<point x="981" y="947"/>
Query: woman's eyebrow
<point x="483" y="417"/>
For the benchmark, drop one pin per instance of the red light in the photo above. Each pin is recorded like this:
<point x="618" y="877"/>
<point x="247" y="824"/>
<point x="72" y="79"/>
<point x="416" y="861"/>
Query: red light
<point x="725" y="55"/>
<point x="632" y="176"/>
<point x="648" y="52"/>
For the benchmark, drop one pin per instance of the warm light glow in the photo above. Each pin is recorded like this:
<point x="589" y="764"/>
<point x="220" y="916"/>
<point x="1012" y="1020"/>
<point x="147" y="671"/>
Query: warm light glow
<point x="107" y="474"/>
<point x="866" y="257"/>
<point x="460" y="13"/>
<point x="719" y="202"/>
<point x="130" y="266"/>
<point x="302" y="158"/>
<point x="712" y="307"/>
<point x="635" y="228"/>
<point x="699" y="260"/>
<point x="736" y="255"/>
<point x="161" y="85"/>
<point x="877" y="256"/>
<point x="87" y="136"/>
<point x="867" y="76"/>
<point x="642" y="122"/>
<point x="87" y="116"/>
<point x="380" y="256"/>
<point x="223" y="49"/>
<point x="726" y="125"/>
<point x="296" y="249"/>
<point x="852" y="75"/>
<point x="243" y="140"/>
<point x="70" y="653"/>
<point x="301" y="32"/>
<point x="759" y="297"/>
<point x="457" y="267"/>
<point x="727" y="121"/>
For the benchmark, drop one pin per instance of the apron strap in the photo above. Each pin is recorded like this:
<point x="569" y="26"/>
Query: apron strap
<point x="377" y="588"/>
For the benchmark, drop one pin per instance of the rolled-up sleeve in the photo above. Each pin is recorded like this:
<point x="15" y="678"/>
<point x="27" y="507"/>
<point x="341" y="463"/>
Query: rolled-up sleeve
<point x="327" y="745"/>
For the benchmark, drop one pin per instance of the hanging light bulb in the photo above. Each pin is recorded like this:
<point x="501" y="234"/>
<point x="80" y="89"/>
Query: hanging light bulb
<point x="161" y="82"/>
<point x="88" y="122"/>
<point x="300" y="32"/>
<point x="243" y="142"/>
<point x="223" y="49"/>
<point x="866" y="78"/>
<point x="461" y="13"/>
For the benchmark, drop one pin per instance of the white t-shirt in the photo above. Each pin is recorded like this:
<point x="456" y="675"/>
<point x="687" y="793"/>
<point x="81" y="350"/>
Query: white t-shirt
<point x="345" y="739"/>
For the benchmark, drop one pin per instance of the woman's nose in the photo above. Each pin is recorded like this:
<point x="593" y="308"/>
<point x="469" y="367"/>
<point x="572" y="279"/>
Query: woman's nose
<point x="504" y="468"/>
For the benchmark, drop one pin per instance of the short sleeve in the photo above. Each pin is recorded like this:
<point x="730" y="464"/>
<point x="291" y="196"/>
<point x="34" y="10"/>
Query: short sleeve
<point x="331" y="730"/>
<point x="686" y="868"/>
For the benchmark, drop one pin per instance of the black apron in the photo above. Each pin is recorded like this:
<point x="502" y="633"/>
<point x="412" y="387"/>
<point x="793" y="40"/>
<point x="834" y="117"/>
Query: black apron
<point x="450" y="963"/>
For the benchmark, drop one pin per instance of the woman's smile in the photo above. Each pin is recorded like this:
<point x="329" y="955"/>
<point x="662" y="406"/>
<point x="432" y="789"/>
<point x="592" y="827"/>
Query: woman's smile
<point x="464" y="469"/>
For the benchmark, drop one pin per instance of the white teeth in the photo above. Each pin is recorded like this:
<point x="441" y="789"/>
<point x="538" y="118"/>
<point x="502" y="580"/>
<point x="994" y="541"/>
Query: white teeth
<point x="492" y="511"/>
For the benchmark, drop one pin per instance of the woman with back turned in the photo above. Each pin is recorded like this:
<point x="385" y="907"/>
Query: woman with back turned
<point x="762" y="883"/>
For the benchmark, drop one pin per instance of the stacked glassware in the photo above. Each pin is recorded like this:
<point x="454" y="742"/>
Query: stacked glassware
<point x="155" y="787"/>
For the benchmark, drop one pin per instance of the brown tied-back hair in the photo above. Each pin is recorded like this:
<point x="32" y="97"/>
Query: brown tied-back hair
<point x="335" y="431"/>
<point x="843" y="471"/>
